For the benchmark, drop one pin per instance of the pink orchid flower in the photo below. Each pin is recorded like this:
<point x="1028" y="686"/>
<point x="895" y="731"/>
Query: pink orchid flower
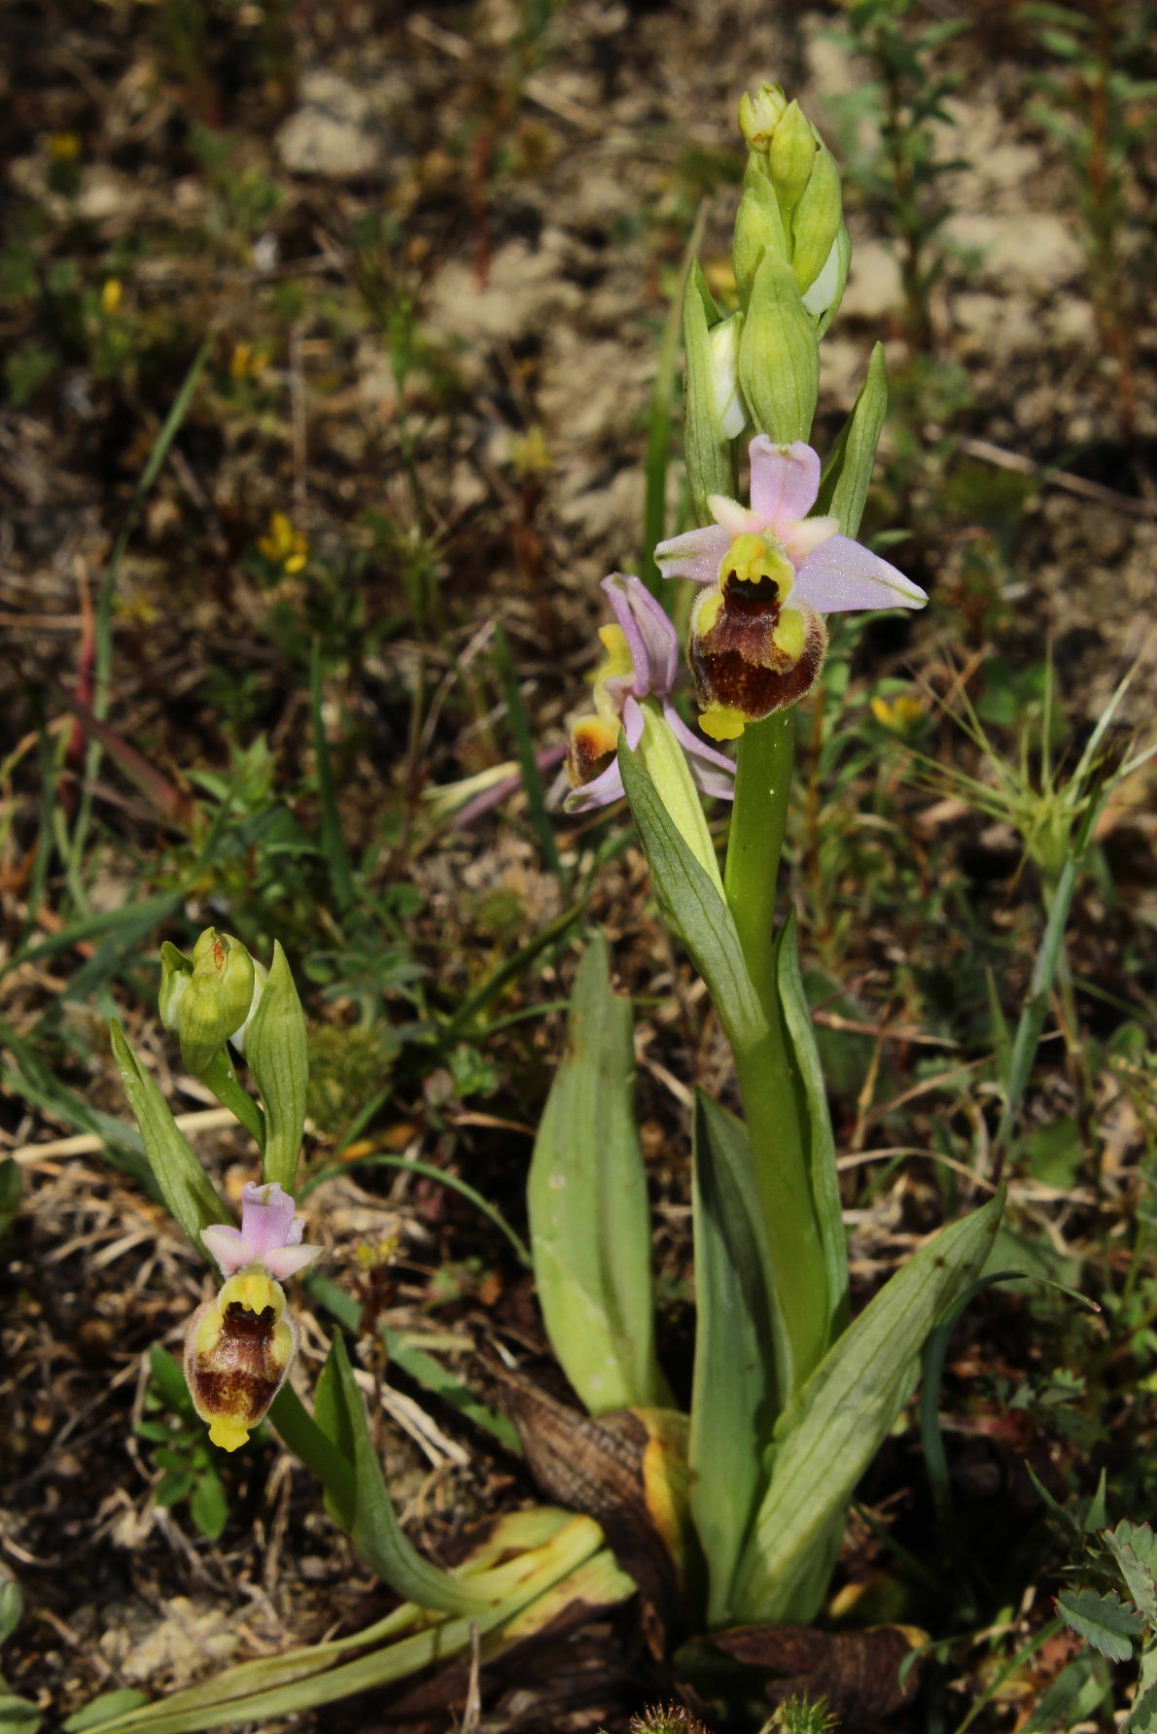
<point x="270" y="1235"/>
<point x="642" y="663"/>
<point x="833" y="573"/>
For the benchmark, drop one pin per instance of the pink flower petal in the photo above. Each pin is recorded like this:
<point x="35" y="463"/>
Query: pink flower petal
<point x="228" y="1248"/>
<point x="634" y="722"/>
<point x="713" y="771"/>
<point x="733" y="517"/>
<point x="784" y="483"/>
<point x="803" y="539"/>
<point x="268" y="1218"/>
<point x="605" y="788"/>
<point x="649" y="631"/>
<point x="694" y="555"/>
<point x="285" y="1261"/>
<point x="842" y="575"/>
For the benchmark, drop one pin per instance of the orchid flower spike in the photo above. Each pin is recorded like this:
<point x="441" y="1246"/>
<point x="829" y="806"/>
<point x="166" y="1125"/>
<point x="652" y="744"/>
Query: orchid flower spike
<point x="641" y="667"/>
<point x="757" y="641"/>
<point x="270" y="1235"/>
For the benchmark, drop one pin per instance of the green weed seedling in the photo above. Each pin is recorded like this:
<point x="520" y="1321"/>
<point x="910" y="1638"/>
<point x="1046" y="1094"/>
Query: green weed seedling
<point x="17" y="1715"/>
<point x="1094" y="98"/>
<point x="180" y="1448"/>
<point x="903" y="97"/>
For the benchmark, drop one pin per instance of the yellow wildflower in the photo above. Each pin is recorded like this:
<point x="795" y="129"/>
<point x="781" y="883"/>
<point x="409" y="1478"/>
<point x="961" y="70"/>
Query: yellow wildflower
<point x="283" y="545"/>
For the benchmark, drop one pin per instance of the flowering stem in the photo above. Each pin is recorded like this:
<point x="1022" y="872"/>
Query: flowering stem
<point x="767" y="1072"/>
<point x="762" y="784"/>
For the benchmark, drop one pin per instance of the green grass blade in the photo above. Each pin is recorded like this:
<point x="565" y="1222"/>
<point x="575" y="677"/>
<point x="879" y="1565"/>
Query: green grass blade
<point x="32" y="1080"/>
<point x="102" y="693"/>
<point x="332" y="840"/>
<point x="428" y="1172"/>
<point x="415" y="1362"/>
<point x="510" y="971"/>
<point x="527" y="754"/>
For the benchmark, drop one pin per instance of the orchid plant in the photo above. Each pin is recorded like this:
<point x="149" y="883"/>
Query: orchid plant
<point x="790" y="1398"/>
<point x="744" y="1492"/>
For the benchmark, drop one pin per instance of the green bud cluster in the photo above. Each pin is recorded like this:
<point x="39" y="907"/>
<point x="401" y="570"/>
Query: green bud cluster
<point x="759" y="365"/>
<point x="207" y="998"/>
<point x="791" y="204"/>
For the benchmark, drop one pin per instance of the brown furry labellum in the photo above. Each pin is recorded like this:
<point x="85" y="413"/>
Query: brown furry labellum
<point x="752" y="655"/>
<point x="593" y="744"/>
<point x="237" y="1352"/>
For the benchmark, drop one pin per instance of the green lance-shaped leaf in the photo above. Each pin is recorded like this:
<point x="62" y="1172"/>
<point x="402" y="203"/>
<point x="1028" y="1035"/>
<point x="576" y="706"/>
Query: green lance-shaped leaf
<point x="1072" y="1696"/>
<point x="587" y="1200"/>
<point x="848" y="472"/>
<point x="277" y="1686"/>
<point x="825" y="1180"/>
<point x="779" y="362"/>
<point x="706" y="447"/>
<point x="185" y="1187"/>
<point x="831" y="1432"/>
<point x="277" y="1054"/>
<point x="375" y="1530"/>
<point x="734" y="1383"/>
<point x="692" y="905"/>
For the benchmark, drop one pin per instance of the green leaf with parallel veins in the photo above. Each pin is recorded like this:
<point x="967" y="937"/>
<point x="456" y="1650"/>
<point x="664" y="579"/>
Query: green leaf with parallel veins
<point x="734" y="1381"/>
<point x="106" y="1708"/>
<point x="692" y="905"/>
<point x="590" y="1228"/>
<point x="277" y="1054"/>
<point x="1072" y="1696"/>
<point x="375" y="1530"/>
<point x="830" y="1434"/>
<point x="825" y="1180"/>
<point x="184" y="1184"/>
<point x="706" y="447"/>
<point x="848" y="472"/>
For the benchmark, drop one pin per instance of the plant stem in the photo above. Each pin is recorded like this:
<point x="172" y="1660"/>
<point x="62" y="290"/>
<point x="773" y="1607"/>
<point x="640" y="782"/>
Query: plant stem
<point x="767" y="1072"/>
<point x="762" y="784"/>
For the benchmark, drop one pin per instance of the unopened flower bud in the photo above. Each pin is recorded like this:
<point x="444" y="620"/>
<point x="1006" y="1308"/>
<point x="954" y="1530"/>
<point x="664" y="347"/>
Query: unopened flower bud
<point x="759" y="115"/>
<point x="792" y="203"/>
<point x="176" y="973"/>
<point x="791" y="155"/>
<point x="241" y="1034"/>
<point x="217" y="998"/>
<point x="238" y="1350"/>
